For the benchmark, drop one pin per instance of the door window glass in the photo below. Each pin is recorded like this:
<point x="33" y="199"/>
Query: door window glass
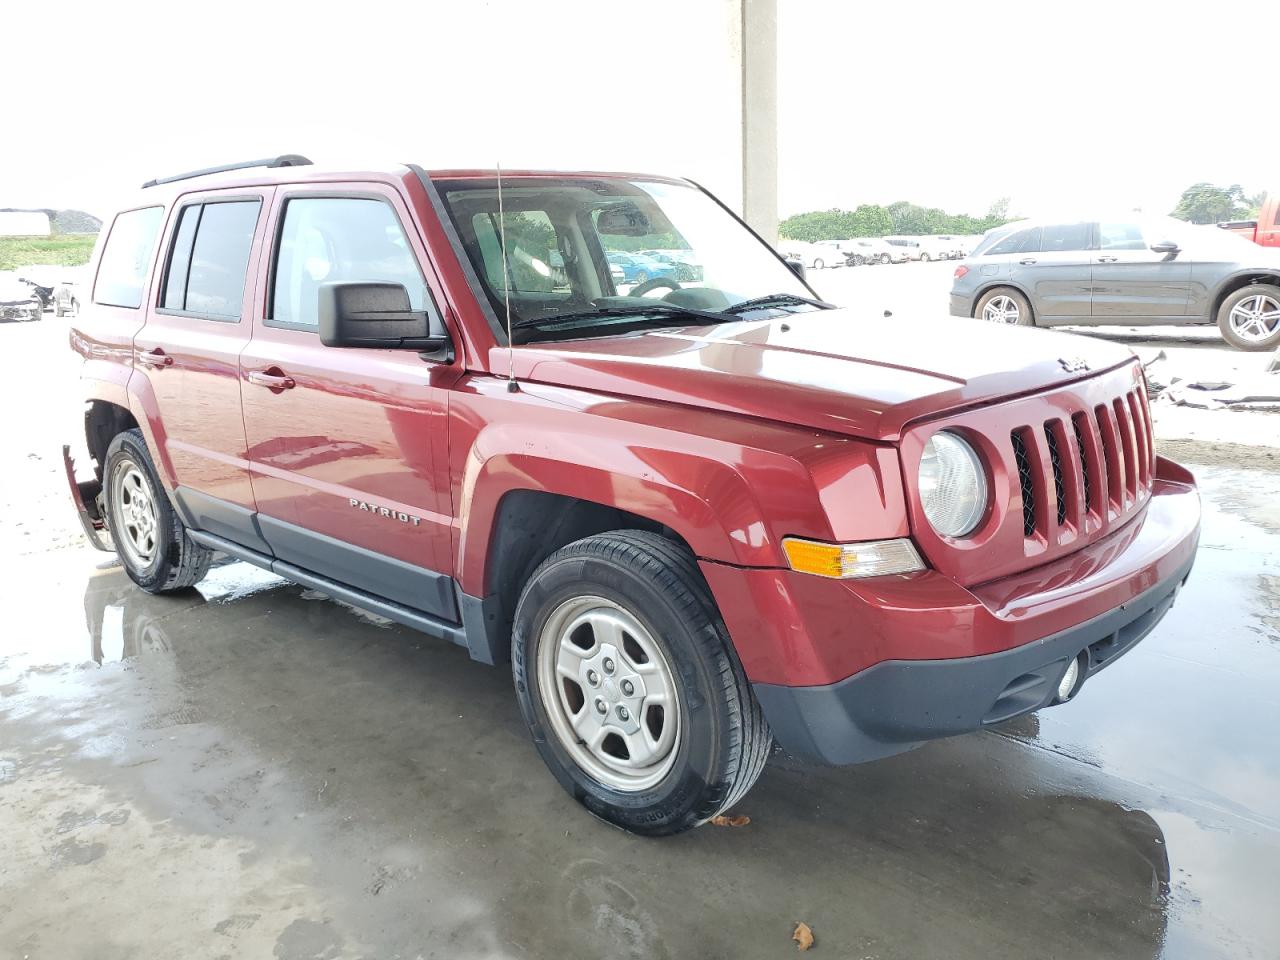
<point x="1020" y="241"/>
<point x="175" y="288"/>
<point x="220" y="258"/>
<point x="1120" y="236"/>
<point x="1061" y="237"/>
<point x="350" y="239"/>
<point x="122" y="269"/>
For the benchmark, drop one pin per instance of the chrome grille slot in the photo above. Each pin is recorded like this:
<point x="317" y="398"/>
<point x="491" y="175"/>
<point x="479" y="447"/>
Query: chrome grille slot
<point x="1111" y="457"/>
<point x="1055" y="460"/>
<point x="1026" y="480"/>
<point x="1128" y="449"/>
<point x="1079" y="424"/>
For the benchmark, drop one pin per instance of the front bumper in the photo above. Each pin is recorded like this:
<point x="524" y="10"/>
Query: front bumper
<point x="898" y="704"/>
<point x="852" y="670"/>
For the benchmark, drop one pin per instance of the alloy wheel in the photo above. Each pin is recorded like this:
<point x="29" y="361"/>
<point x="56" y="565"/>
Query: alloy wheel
<point x="609" y="693"/>
<point x="1000" y="309"/>
<point x="1255" y="318"/>
<point x="136" y="526"/>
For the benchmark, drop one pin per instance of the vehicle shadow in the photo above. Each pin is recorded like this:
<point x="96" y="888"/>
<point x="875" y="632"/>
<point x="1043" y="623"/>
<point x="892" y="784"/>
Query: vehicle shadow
<point x="398" y="766"/>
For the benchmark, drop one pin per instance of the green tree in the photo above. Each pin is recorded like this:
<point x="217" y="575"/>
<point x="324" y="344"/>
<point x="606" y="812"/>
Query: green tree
<point x="1206" y="203"/>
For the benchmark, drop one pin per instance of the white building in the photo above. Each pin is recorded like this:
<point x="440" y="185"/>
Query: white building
<point x="24" y="223"/>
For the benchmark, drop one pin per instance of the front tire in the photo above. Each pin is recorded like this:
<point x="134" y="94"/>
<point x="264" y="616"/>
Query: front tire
<point x="150" y="540"/>
<point x="1250" y="318"/>
<point x="1005" y="305"/>
<point x="630" y="685"/>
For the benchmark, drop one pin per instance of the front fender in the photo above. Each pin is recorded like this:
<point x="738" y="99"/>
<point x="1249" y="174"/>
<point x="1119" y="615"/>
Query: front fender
<point x="732" y="487"/>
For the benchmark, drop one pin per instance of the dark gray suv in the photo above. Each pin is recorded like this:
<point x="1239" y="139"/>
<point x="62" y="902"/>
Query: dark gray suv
<point x="1126" y="272"/>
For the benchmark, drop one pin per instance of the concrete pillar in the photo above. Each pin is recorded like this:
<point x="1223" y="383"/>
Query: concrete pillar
<point x="753" y="42"/>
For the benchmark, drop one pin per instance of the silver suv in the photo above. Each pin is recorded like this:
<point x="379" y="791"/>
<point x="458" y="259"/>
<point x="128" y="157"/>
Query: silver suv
<point x="1126" y="272"/>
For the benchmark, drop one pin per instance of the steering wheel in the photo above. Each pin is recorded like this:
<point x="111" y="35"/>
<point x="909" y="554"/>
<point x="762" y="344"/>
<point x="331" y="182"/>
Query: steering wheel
<point x="657" y="283"/>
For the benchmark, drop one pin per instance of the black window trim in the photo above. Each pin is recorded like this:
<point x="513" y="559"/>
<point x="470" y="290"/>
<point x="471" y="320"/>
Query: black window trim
<point x="250" y="270"/>
<point x="273" y="255"/>
<point x="97" y="269"/>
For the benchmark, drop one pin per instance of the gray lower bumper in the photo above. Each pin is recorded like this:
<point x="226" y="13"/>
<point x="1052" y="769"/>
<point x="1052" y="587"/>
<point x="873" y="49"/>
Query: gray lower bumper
<point x="898" y="704"/>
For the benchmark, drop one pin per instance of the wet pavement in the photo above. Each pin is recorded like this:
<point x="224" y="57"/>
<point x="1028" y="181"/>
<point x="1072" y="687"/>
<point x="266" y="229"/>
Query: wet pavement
<point x="251" y="770"/>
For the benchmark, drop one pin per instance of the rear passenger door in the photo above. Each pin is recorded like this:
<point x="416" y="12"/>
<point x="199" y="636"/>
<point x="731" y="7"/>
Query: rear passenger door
<point x="1057" y="273"/>
<point x="348" y="446"/>
<point x="1131" y="282"/>
<point x="187" y="356"/>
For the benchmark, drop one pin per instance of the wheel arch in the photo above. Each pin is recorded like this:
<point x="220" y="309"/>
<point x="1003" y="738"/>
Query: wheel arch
<point x="103" y="420"/>
<point x="1237" y="282"/>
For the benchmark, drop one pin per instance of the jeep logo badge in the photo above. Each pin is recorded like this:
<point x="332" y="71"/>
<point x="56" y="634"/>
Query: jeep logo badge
<point x="1073" y="364"/>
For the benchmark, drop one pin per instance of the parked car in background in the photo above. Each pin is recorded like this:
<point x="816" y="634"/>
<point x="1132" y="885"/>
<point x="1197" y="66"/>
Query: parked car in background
<point x="18" y="299"/>
<point x="909" y="245"/>
<point x="1265" y="229"/>
<point x="1123" y="271"/>
<point x="681" y="261"/>
<point x="876" y="250"/>
<point x="637" y="268"/>
<point x="66" y="298"/>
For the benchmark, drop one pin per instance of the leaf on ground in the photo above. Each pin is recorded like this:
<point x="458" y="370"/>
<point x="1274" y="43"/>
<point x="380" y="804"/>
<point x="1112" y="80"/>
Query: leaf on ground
<point x="723" y="821"/>
<point x="803" y="936"/>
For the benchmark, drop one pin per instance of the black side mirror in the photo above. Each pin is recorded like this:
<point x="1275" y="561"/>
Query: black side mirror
<point x="797" y="267"/>
<point x="1165" y="246"/>
<point x="375" y="314"/>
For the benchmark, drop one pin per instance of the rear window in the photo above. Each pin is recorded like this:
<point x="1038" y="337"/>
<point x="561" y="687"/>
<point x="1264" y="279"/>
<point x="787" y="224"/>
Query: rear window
<point x="1061" y="237"/>
<point x="122" y="269"/>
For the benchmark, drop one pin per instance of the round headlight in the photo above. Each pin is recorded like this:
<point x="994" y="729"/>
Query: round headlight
<point x="953" y="486"/>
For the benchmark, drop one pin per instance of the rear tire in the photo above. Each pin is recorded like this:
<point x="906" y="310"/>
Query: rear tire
<point x="150" y="540"/>
<point x="1005" y="305"/>
<point x="1250" y="318"/>
<point x="925" y="258"/>
<point x="622" y="627"/>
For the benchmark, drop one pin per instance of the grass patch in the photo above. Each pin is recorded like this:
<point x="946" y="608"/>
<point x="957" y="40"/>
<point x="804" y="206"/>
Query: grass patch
<point x="68" y="250"/>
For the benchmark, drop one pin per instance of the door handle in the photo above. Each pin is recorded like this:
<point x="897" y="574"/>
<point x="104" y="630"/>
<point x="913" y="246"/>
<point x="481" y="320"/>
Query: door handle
<point x="155" y="358"/>
<point x="1027" y="262"/>
<point x="272" y="379"/>
<point x="1108" y="259"/>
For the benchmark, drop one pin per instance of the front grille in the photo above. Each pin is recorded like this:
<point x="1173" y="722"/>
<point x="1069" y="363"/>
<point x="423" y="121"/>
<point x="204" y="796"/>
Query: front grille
<point x="1027" y="481"/>
<point x="1104" y="474"/>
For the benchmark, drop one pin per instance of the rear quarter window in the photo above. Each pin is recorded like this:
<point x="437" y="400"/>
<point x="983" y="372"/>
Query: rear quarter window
<point x="126" y="258"/>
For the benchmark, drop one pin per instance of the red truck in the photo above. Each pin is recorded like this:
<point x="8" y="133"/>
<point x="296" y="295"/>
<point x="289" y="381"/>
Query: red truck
<point x="1265" y="230"/>
<point x="697" y="517"/>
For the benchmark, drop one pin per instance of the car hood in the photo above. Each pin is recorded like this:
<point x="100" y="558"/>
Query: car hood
<point x="834" y="370"/>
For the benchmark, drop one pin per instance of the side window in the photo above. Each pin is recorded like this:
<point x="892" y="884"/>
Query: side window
<point x="1061" y="237"/>
<point x="175" y="284"/>
<point x="338" y="238"/>
<point x="1020" y="241"/>
<point x="210" y="258"/>
<point x="533" y="259"/>
<point x="1120" y="236"/>
<point x="122" y="269"/>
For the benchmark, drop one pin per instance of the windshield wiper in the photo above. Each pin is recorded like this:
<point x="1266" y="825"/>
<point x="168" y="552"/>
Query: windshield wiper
<point x="659" y="311"/>
<point x="778" y="300"/>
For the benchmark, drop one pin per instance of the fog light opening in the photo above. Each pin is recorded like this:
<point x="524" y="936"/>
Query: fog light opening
<point x="1069" y="685"/>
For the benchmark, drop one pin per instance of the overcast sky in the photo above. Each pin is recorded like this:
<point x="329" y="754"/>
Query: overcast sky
<point x="1054" y="104"/>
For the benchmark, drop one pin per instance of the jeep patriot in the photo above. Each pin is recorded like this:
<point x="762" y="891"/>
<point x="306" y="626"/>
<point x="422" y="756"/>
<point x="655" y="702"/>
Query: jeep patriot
<point x="696" y="516"/>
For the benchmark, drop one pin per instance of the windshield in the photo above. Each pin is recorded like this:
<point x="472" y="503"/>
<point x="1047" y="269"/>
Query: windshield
<point x="581" y="245"/>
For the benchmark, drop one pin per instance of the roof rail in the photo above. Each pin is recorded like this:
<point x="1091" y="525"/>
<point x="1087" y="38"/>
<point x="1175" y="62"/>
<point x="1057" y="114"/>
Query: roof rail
<point x="284" y="160"/>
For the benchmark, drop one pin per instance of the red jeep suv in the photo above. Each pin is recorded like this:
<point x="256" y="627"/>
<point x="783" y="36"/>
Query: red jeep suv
<point x="698" y="515"/>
